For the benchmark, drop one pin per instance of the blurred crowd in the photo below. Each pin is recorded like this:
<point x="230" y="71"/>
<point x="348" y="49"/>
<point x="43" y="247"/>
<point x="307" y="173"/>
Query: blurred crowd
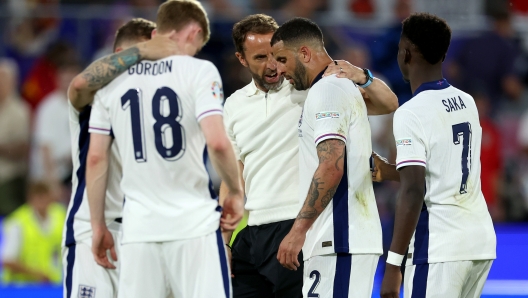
<point x="46" y="42"/>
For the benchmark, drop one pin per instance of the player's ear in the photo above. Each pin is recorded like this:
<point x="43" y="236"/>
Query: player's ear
<point x="407" y="57"/>
<point x="242" y="59"/>
<point x="118" y="49"/>
<point x="194" y="34"/>
<point x="305" y="54"/>
<point x="153" y="33"/>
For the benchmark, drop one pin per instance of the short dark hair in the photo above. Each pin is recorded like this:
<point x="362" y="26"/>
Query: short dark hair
<point x="297" y="30"/>
<point x="133" y="30"/>
<point x="176" y="14"/>
<point x="431" y="34"/>
<point x="255" y="23"/>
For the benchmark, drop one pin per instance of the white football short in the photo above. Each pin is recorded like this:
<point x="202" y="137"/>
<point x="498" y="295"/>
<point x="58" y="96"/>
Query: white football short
<point x="464" y="279"/>
<point x="190" y="268"/>
<point x="83" y="278"/>
<point x="340" y="275"/>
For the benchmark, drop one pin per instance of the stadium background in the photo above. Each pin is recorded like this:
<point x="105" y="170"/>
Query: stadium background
<point x="488" y="57"/>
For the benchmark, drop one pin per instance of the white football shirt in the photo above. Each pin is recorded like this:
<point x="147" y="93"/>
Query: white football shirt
<point x="334" y="109"/>
<point x="77" y="226"/>
<point x="439" y="129"/>
<point x="263" y="130"/>
<point x="154" y="110"/>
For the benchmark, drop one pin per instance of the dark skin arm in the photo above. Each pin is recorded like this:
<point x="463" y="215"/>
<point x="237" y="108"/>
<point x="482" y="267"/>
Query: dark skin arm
<point x="324" y="184"/>
<point x="408" y="207"/>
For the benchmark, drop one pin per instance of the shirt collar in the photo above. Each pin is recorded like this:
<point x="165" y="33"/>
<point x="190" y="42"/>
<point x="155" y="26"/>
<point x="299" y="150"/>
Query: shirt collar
<point x="434" y="85"/>
<point x="318" y="77"/>
<point x="251" y="89"/>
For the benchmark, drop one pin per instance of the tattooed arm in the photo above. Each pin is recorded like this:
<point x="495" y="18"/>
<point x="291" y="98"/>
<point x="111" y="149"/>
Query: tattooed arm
<point x="324" y="184"/>
<point x="103" y="71"/>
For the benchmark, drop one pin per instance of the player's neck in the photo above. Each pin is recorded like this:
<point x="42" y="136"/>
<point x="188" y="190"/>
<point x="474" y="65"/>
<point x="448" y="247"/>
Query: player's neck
<point x="425" y="74"/>
<point x="320" y="61"/>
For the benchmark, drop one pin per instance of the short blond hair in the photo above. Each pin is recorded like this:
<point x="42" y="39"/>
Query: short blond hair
<point x="176" y="14"/>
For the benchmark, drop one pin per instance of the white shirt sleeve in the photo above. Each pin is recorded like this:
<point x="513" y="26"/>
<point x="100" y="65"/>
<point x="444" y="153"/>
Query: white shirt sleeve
<point x="410" y="139"/>
<point x="209" y="94"/>
<point x="328" y="107"/>
<point x="11" y="242"/>
<point x="100" y="117"/>
<point x="230" y="133"/>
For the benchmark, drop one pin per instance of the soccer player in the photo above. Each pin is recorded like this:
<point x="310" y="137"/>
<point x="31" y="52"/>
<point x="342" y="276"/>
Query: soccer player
<point x="82" y="275"/>
<point x="441" y="215"/>
<point x="338" y="227"/>
<point x="262" y="122"/>
<point x="166" y="119"/>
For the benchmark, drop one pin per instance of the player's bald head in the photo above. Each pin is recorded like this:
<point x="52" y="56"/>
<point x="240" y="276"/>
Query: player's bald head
<point x="134" y="31"/>
<point x="299" y="32"/>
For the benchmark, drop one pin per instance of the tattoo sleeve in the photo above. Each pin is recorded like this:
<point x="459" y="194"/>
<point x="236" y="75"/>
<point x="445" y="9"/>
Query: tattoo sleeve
<point x="325" y="181"/>
<point x="104" y="70"/>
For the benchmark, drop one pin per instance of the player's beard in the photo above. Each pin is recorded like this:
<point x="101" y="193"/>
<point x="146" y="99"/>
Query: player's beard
<point x="298" y="75"/>
<point x="261" y="81"/>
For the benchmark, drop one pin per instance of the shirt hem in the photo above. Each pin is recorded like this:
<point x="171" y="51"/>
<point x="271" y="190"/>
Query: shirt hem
<point x="329" y="136"/>
<point x="98" y="130"/>
<point x="266" y="216"/>
<point x="161" y="238"/>
<point x="413" y="162"/>
<point x="452" y="259"/>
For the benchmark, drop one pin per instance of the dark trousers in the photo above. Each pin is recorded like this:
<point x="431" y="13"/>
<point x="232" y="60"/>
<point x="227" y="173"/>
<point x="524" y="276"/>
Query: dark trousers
<point x="257" y="272"/>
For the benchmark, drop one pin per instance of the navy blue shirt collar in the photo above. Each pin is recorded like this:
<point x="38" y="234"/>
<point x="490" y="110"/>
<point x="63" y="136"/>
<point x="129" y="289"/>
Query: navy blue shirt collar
<point x="434" y="85"/>
<point x="318" y="77"/>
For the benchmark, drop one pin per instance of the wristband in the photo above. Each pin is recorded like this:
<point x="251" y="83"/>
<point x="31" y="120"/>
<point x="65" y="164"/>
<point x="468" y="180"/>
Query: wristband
<point x="394" y="259"/>
<point x="370" y="78"/>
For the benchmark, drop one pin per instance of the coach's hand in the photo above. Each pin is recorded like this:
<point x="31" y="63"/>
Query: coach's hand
<point x="232" y="211"/>
<point x="390" y="287"/>
<point x="344" y="69"/>
<point x="291" y="245"/>
<point x="102" y="241"/>
<point x="159" y="47"/>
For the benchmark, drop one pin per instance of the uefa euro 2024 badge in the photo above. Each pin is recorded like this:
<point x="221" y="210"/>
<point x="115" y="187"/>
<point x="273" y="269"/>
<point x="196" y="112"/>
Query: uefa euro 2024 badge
<point x="217" y="91"/>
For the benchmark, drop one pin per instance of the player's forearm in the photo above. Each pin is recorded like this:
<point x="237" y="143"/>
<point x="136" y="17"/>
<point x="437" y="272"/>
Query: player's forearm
<point x="389" y="172"/>
<point x="100" y="73"/>
<point x="408" y="208"/>
<point x="224" y="162"/>
<point x="322" y="189"/>
<point x="380" y="98"/>
<point x="96" y="180"/>
<point x="224" y="191"/>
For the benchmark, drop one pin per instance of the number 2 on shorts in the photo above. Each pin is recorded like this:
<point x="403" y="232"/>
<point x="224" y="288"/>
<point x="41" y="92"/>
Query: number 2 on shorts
<point x="317" y="276"/>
